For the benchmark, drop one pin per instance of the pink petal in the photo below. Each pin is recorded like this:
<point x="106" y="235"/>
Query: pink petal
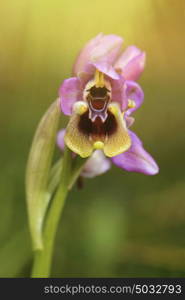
<point x="70" y="92"/>
<point x="134" y="92"/>
<point x="131" y="63"/>
<point x="103" y="67"/>
<point x="107" y="69"/>
<point x="136" y="159"/>
<point x="119" y="92"/>
<point x="102" y="47"/>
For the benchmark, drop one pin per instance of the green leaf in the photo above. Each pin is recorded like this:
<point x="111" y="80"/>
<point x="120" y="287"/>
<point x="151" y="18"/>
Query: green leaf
<point x="38" y="172"/>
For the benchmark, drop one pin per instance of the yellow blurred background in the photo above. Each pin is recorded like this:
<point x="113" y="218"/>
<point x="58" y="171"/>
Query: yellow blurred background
<point x="121" y="224"/>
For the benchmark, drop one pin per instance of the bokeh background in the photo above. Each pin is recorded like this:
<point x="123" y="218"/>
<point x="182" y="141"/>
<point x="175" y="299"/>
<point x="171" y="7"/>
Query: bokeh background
<point x="121" y="224"/>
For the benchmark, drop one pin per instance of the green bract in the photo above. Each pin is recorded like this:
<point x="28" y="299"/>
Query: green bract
<point x="38" y="172"/>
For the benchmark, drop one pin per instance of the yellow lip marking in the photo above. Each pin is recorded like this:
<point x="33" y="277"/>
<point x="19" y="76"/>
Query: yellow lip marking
<point x="80" y="107"/>
<point x="82" y="110"/>
<point x="113" y="108"/>
<point x="99" y="79"/>
<point x="98" y="145"/>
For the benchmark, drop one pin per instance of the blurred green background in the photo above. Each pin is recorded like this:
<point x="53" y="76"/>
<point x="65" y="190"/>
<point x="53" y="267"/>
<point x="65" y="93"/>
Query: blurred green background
<point x="121" y="224"/>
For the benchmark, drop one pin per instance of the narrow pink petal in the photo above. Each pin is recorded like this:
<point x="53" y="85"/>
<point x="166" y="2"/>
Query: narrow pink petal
<point x="134" y="92"/>
<point x="119" y="92"/>
<point x="70" y="92"/>
<point x="131" y="63"/>
<point x="102" y="47"/>
<point x="136" y="159"/>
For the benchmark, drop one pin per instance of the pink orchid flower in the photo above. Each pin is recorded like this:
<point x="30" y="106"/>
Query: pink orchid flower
<point x="100" y="98"/>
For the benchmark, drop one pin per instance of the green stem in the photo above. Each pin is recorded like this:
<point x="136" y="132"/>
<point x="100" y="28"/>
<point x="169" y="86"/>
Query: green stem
<point x="66" y="173"/>
<point x="43" y="258"/>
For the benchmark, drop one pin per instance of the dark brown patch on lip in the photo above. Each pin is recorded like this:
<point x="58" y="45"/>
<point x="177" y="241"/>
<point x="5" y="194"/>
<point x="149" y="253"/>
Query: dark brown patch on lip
<point x="97" y="129"/>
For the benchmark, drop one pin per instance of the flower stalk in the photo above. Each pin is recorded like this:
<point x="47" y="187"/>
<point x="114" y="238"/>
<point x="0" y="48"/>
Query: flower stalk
<point x="69" y="174"/>
<point x="43" y="258"/>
